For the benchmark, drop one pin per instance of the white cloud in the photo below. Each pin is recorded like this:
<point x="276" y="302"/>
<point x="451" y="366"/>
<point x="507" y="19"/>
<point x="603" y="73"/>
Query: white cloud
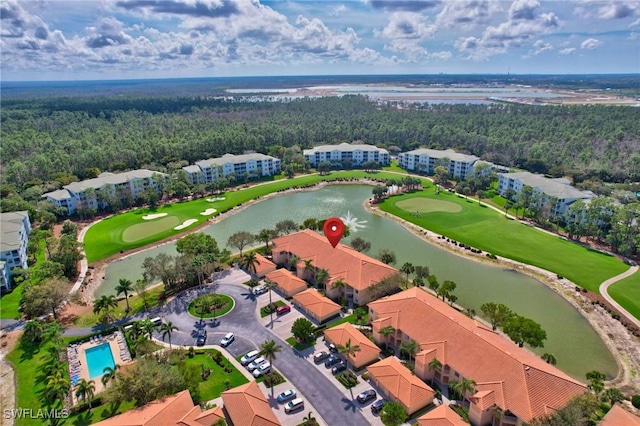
<point x="405" y="32"/>
<point x="467" y="13"/>
<point x="539" y="46"/>
<point x="339" y="10"/>
<point x="607" y="9"/>
<point x="568" y="51"/>
<point x="524" y="23"/>
<point x="590" y="44"/>
<point x="442" y="56"/>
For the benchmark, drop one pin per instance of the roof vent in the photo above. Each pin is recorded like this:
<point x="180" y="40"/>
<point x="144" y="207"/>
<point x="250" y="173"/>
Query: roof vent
<point x="526" y="367"/>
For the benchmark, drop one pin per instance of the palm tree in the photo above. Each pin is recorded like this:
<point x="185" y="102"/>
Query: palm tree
<point x="86" y="390"/>
<point x="167" y="328"/>
<point x="105" y="304"/>
<point x="308" y="267"/>
<point x="269" y="286"/>
<point x="549" y="358"/>
<point x="269" y="349"/>
<point x="109" y="374"/>
<point x="124" y="286"/>
<point x="321" y="278"/>
<point x="349" y="349"/>
<point x="309" y="420"/>
<point x="387" y="331"/>
<point x="33" y="330"/>
<point x="293" y="262"/>
<point x="407" y="268"/>
<point x="147" y="328"/>
<point x="434" y="365"/>
<point x="467" y="385"/>
<point x="57" y="387"/>
<point x="410" y="348"/>
<point x="265" y="236"/>
<point x="339" y="284"/>
<point x="249" y="262"/>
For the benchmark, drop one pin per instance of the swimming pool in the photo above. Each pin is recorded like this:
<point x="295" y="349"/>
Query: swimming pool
<point x="98" y="358"/>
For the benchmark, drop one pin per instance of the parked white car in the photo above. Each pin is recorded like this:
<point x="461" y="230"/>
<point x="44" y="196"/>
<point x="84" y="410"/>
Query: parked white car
<point x="249" y="356"/>
<point x="264" y="368"/>
<point x="256" y="363"/>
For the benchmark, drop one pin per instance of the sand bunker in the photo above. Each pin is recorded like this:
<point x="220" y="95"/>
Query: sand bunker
<point x="154" y="216"/>
<point x="208" y="212"/>
<point x="186" y="223"/>
<point x="211" y="200"/>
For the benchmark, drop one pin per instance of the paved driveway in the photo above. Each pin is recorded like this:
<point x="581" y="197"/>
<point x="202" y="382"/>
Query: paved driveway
<point x="330" y="403"/>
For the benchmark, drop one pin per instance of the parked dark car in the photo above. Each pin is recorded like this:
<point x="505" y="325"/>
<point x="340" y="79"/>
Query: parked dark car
<point x="377" y="406"/>
<point x="201" y="338"/>
<point x="331" y="361"/>
<point x="318" y="357"/>
<point x="366" y="396"/>
<point x="339" y="368"/>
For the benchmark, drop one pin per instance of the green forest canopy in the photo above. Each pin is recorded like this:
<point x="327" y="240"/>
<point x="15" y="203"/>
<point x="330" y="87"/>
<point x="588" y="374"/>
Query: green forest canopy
<point x="45" y="138"/>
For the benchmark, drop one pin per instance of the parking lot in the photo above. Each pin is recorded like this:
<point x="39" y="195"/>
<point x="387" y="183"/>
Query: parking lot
<point x="293" y="418"/>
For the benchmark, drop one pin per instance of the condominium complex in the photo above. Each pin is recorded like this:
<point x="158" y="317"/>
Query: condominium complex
<point x="356" y="271"/>
<point x="346" y="154"/>
<point x="426" y="160"/>
<point x="559" y="189"/>
<point x="14" y="232"/>
<point x="512" y="384"/>
<point x="121" y="186"/>
<point x="254" y="165"/>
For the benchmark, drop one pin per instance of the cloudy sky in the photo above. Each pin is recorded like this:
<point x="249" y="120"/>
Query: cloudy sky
<point x="111" y="39"/>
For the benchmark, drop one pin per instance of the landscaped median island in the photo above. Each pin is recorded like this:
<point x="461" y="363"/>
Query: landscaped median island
<point x="211" y="306"/>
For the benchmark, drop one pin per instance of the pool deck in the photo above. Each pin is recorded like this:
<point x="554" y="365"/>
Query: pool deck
<point x="78" y="359"/>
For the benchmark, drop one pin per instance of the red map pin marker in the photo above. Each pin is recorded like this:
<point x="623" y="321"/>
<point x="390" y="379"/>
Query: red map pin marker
<point x="333" y="230"/>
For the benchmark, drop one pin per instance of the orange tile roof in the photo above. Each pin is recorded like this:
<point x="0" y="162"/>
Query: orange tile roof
<point x="247" y="406"/>
<point x="196" y="417"/>
<point x="264" y="265"/>
<point x="286" y="280"/>
<point x="529" y="384"/>
<point x="442" y="415"/>
<point x="316" y="304"/>
<point x="400" y="382"/>
<point x="356" y="269"/>
<point x="618" y="416"/>
<point x="342" y="333"/>
<point x="176" y="409"/>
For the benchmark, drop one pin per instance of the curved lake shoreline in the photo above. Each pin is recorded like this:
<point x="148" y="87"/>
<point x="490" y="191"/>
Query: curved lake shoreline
<point x="503" y="264"/>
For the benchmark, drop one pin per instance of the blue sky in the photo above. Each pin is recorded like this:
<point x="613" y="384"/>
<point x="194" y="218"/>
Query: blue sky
<point x="111" y="39"/>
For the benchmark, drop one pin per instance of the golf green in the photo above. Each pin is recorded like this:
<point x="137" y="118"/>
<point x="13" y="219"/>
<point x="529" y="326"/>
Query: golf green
<point x="427" y="205"/>
<point x="148" y="228"/>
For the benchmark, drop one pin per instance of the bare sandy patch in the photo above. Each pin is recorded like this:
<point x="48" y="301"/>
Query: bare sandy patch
<point x="154" y="216"/>
<point x="208" y="212"/>
<point x="185" y="224"/>
<point x="211" y="200"/>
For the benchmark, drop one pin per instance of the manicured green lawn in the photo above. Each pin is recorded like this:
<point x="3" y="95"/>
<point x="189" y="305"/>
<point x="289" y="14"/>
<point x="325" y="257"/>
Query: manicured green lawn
<point x="486" y="229"/>
<point x="298" y="346"/>
<point x="135" y="303"/>
<point x="627" y="293"/>
<point x="263" y="310"/>
<point x="226" y="302"/>
<point x="10" y="304"/>
<point x="105" y="238"/>
<point x="214" y="385"/>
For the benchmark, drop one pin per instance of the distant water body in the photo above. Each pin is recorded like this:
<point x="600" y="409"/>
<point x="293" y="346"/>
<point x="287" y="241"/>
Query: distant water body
<point x="219" y="86"/>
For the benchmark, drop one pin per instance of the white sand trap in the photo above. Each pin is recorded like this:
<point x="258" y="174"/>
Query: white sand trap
<point x="211" y="200"/>
<point x="208" y="212"/>
<point x="186" y="223"/>
<point x="154" y="216"/>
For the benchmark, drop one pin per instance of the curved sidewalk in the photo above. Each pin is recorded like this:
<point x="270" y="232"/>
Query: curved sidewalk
<point x="604" y="287"/>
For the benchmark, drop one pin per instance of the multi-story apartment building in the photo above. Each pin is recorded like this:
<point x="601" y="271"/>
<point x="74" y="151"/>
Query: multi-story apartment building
<point x="559" y="189"/>
<point x="255" y="165"/>
<point x="356" y="271"/>
<point x="123" y="186"/>
<point x="14" y="230"/>
<point x="344" y="152"/>
<point x="512" y="385"/>
<point x="426" y="160"/>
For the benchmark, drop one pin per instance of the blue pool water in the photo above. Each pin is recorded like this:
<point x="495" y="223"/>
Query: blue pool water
<point x="98" y="358"/>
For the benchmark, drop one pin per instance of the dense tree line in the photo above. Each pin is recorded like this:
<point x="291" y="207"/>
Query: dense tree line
<point x="59" y="140"/>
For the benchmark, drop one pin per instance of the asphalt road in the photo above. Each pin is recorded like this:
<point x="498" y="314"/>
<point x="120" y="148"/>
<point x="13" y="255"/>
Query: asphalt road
<point x="243" y="321"/>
